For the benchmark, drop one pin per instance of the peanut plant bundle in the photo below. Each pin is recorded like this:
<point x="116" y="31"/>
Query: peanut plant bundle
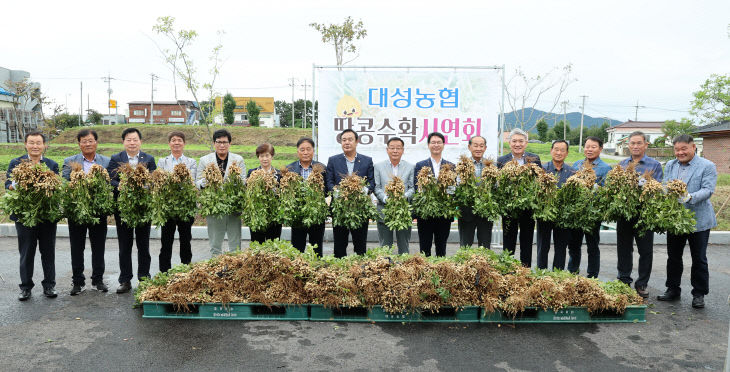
<point x="275" y="272"/>
<point x="485" y="204"/>
<point x="135" y="198"/>
<point x="261" y="205"/>
<point x="87" y="198"/>
<point x="547" y="207"/>
<point x="661" y="211"/>
<point x="351" y="206"/>
<point x="313" y="209"/>
<point x="619" y="196"/>
<point x="290" y="186"/>
<point x="517" y="187"/>
<point x="576" y="202"/>
<point x="174" y="196"/>
<point x="36" y="197"/>
<point x="432" y="199"/>
<point x="396" y="212"/>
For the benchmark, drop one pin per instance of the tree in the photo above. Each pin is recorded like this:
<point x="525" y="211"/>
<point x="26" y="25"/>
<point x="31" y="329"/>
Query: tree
<point x="23" y="91"/>
<point x="93" y="116"/>
<point x="542" y="130"/>
<point x="182" y="66"/>
<point x="253" y="111"/>
<point x="712" y="102"/>
<point x="229" y="104"/>
<point x="524" y="92"/>
<point x="672" y="128"/>
<point x="283" y="109"/>
<point x="342" y="36"/>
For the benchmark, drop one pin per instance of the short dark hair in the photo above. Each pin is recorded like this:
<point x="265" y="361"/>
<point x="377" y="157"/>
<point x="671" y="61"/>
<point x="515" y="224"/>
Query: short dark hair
<point x="350" y="131"/>
<point x="484" y="139"/>
<point x="35" y="133"/>
<point x="130" y="130"/>
<point x="567" y="146"/>
<point x="175" y="133"/>
<point x="594" y="139"/>
<point x="85" y="132"/>
<point x="683" y="138"/>
<point x="263" y="148"/>
<point x="305" y="139"/>
<point x="222" y="133"/>
<point x="638" y="133"/>
<point x="395" y="139"/>
<point x="435" y="134"/>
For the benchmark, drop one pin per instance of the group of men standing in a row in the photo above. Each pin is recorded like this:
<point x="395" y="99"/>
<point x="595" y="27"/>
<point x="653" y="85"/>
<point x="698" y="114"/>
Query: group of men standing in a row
<point x="699" y="174"/>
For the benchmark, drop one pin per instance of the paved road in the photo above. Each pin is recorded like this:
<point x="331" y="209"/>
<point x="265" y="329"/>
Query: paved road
<point x="97" y="331"/>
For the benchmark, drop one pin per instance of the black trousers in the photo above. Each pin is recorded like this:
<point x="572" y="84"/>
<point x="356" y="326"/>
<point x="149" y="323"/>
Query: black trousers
<point x="562" y="239"/>
<point x="433" y="230"/>
<point x="271" y="232"/>
<point x="167" y="237"/>
<point x="626" y="234"/>
<point x="594" y="253"/>
<point x="97" y="238"/>
<point x="125" y="237"/>
<point x="525" y="222"/>
<point x="316" y="237"/>
<point x="700" y="275"/>
<point x="359" y="238"/>
<point x="43" y="236"/>
<point x="468" y="223"/>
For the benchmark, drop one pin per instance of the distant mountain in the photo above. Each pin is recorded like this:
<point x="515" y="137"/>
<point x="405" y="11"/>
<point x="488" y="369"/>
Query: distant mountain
<point x="573" y="118"/>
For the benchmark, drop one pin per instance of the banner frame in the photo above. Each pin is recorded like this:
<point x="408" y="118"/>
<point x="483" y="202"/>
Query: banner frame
<point x="316" y="67"/>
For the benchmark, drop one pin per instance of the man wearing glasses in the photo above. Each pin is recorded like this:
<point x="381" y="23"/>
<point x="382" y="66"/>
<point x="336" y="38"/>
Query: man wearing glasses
<point x="469" y="222"/>
<point x="221" y="225"/>
<point x="384" y="172"/>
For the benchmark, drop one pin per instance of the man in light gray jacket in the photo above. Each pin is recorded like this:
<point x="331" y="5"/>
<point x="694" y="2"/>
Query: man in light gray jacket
<point x="700" y="175"/>
<point x="87" y="139"/>
<point x="176" y="141"/>
<point x="384" y="172"/>
<point x="221" y="225"/>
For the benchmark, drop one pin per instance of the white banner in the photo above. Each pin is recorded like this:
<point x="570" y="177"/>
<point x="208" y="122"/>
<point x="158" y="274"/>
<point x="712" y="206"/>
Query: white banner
<point x="381" y="104"/>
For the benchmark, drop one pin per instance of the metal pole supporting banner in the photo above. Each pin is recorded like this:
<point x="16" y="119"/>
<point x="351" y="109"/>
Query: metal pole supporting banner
<point x="314" y="99"/>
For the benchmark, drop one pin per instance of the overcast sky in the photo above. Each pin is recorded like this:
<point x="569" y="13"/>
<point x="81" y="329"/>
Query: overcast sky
<point x="653" y="52"/>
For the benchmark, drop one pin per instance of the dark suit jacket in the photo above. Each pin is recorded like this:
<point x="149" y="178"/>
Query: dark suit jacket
<point x="121" y="158"/>
<point x="529" y="158"/>
<point x="296" y="168"/>
<point x="425" y="163"/>
<point x="337" y="169"/>
<point x="277" y="173"/>
<point x="52" y="165"/>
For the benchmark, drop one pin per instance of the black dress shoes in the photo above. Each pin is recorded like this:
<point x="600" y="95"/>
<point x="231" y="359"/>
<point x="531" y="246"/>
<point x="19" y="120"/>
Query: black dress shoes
<point x="100" y="286"/>
<point x="669" y="295"/>
<point x="50" y="292"/>
<point x="24" y="295"/>
<point x="698" y="302"/>
<point x="77" y="289"/>
<point x="124" y="287"/>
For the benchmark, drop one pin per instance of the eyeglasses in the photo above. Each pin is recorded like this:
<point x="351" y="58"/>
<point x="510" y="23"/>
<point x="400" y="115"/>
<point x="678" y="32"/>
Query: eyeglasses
<point x="88" y="142"/>
<point x="221" y="142"/>
<point x="395" y="148"/>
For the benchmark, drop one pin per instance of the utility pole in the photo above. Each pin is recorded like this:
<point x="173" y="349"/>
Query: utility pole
<point x="565" y="105"/>
<point x="81" y="110"/>
<point x="108" y="80"/>
<point x="152" y="101"/>
<point x="292" y="100"/>
<point x="636" y="113"/>
<point x="304" y="114"/>
<point x="582" y="111"/>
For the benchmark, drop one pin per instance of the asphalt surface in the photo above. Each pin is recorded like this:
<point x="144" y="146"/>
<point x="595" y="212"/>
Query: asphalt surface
<point x="102" y="331"/>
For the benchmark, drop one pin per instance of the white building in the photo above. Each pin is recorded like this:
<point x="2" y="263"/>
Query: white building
<point x="618" y="135"/>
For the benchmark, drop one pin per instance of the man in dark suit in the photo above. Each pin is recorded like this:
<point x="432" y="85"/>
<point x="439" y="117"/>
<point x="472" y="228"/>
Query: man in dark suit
<point x="304" y="167"/>
<point x="523" y="220"/>
<point x="468" y="221"/>
<point x="43" y="234"/>
<point x="339" y="166"/>
<point x="87" y="139"/>
<point x="434" y="230"/>
<point x="132" y="140"/>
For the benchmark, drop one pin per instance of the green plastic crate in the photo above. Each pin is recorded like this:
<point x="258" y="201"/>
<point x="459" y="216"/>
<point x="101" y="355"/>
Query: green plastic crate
<point x="232" y="311"/>
<point x="377" y="314"/>
<point x="633" y="314"/>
